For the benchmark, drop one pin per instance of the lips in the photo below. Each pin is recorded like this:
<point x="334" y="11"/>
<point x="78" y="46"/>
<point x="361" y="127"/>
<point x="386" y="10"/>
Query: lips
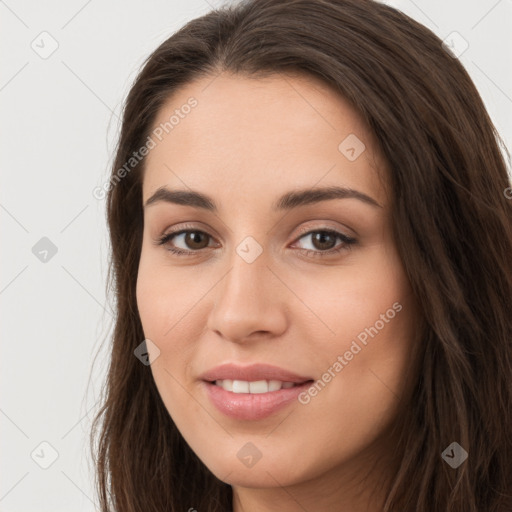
<point x="252" y="373"/>
<point x="252" y="407"/>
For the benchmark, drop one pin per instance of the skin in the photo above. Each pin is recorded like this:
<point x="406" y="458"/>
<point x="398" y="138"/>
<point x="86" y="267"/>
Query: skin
<point x="247" y="142"/>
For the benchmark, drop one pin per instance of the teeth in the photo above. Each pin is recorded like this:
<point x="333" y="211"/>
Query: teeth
<point x="255" y="387"/>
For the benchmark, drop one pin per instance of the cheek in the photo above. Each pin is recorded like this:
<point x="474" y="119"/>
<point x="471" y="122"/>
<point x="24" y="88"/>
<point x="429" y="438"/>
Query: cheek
<point x="161" y="306"/>
<point x="168" y="308"/>
<point x="164" y="295"/>
<point x="151" y="297"/>
<point x="349" y="301"/>
<point x="364" y="358"/>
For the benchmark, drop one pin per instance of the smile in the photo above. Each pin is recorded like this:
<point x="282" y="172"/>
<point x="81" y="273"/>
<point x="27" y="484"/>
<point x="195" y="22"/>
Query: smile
<point x="252" y="400"/>
<point x="253" y="387"/>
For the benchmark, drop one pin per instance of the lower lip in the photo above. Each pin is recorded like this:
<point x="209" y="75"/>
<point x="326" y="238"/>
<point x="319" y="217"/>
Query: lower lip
<point x="249" y="406"/>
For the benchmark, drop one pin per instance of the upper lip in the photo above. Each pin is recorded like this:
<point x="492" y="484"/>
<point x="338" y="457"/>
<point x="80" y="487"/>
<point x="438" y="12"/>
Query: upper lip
<point x="251" y="373"/>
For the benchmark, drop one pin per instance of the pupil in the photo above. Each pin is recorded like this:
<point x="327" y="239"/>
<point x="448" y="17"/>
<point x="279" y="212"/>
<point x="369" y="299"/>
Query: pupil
<point x="194" y="237"/>
<point x="320" y="237"/>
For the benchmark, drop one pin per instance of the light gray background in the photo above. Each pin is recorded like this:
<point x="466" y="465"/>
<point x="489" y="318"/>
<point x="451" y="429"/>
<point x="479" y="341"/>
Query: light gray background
<point x="59" y="119"/>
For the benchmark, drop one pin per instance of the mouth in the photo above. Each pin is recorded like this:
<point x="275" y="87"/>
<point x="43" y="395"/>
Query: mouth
<point x="255" y="387"/>
<point x="253" y="400"/>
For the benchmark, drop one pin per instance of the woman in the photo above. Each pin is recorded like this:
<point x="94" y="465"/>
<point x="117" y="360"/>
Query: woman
<point x="311" y="254"/>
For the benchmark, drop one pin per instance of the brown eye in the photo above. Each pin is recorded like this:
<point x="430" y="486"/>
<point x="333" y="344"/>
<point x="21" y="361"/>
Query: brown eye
<point x="323" y="242"/>
<point x="195" y="239"/>
<point x="191" y="241"/>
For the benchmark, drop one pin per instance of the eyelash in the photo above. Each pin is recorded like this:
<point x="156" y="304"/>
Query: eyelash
<point x="346" y="245"/>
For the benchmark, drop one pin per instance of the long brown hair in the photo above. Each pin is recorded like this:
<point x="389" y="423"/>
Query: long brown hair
<point x="452" y="223"/>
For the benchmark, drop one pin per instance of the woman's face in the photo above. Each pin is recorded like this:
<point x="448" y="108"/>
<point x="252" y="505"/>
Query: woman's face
<point x="278" y="274"/>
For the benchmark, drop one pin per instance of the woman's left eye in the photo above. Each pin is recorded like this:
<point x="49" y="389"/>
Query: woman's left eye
<point x="319" y="238"/>
<point x="323" y="241"/>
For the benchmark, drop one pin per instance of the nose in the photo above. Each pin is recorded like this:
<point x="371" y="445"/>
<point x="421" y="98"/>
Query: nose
<point x="248" y="302"/>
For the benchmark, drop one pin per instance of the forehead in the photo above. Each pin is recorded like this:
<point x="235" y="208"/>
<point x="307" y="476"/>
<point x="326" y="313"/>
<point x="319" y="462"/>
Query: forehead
<point x="268" y="134"/>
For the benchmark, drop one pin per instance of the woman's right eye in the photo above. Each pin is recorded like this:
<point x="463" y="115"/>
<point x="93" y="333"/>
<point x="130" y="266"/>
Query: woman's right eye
<point x="188" y="237"/>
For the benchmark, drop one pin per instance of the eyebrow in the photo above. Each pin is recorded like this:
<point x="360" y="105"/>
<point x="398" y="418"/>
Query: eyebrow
<point x="288" y="201"/>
